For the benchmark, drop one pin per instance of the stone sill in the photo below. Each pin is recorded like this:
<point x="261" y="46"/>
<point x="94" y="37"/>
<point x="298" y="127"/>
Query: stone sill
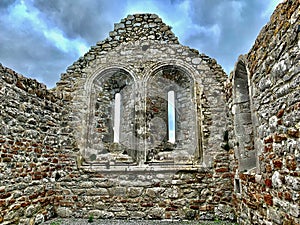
<point x="143" y="168"/>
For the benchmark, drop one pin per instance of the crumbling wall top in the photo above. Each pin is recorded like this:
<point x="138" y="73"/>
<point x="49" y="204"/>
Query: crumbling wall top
<point x="140" y="27"/>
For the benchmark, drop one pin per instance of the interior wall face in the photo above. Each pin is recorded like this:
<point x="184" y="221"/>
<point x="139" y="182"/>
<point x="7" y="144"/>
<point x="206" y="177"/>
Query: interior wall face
<point x="270" y="193"/>
<point x="146" y="178"/>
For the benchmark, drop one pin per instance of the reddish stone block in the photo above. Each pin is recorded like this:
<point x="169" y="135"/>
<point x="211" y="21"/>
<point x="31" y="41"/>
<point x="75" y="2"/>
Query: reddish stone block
<point x="37" y="177"/>
<point x="222" y="170"/>
<point x="2" y="203"/>
<point x="243" y="176"/>
<point x="198" y="201"/>
<point x="147" y="204"/>
<point x="2" y="189"/>
<point x="79" y="204"/>
<point x="279" y="138"/>
<point x="268" y="140"/>
<point x="194" y="207"/>
<point x="168" y="215"/>
<point x="38" y="150"/>
<point x="251" y="178"/>
<point x="280" y="113"/>
<point x="171" y="209"/>
<point x="293" y="133"/>
<point x="55" y="160"/>
<point x="268" y="168"/>
<point x="271" y="156"/>
<point x="33" y="196"/>
<point x="6" y="159"/>
<point x="227" y="175"/>
<point x="24" y="204"/>
<point x="277" y="163"/>
<point x="6" y="195"/>
<point x="216" y="199"/>
<point x="269" y="148"/>
<point x="291" y="163"/>
<point x="287" y="196"/>
<point x="12" y="201"/>
<point x="16" y="207"/>
<point x="268" y="182"/>
<point x="268" y="199"/>
<point x="18" y="143"/>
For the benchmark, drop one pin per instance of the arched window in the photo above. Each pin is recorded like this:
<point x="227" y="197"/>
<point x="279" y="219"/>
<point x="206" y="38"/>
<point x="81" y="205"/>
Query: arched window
<point x="171" y="126"/>
<point x="117" y="117"/>
<point x="243" y="127"/>
<point x="171" y="117"/>
<point x="111" y="97"/>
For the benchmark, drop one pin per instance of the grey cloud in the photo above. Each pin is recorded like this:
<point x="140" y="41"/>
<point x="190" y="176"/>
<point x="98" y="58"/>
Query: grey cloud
<point x="29" y="54"/>
<point x="88" y="19"/>
<point x="239" y="23"/>
<point x="32" y="55"/>
<point x="6" y="3"/>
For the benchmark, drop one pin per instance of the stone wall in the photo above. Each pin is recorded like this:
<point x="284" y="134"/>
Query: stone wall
<point x="30" y="148"/>
<point x="144" y="176"/>
<point x="268" y="191"/>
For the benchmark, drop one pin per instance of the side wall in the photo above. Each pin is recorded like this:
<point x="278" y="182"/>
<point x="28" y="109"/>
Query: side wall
<point x="30" y="148"/>
<point x="270" y="195"/>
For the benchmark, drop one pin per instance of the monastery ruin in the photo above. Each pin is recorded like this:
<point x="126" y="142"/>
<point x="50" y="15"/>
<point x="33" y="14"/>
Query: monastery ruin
<point x="142" y="127"/>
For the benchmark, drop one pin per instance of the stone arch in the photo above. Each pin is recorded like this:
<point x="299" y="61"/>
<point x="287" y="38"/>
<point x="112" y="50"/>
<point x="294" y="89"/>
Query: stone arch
<point x="101" y="89"/>
<point x="243" y="127"/>
<point x="159" y="83"/>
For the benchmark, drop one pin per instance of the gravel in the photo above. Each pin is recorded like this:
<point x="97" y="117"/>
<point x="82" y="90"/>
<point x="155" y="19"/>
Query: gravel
<point x="133" y="222"/>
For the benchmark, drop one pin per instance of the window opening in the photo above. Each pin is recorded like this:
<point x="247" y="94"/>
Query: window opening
<point x="117" y="117"/>
<point x="237" y="186"/>
<point x="171" y="116"/>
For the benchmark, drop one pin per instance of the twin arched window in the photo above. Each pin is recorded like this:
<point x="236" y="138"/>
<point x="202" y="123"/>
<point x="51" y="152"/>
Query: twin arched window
<point x="147" y="125"/>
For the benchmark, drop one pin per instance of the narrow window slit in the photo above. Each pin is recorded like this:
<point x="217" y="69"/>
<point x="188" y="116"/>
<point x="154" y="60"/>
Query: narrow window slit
<point x="171" y="116"/>
<point x="117" y="117"/>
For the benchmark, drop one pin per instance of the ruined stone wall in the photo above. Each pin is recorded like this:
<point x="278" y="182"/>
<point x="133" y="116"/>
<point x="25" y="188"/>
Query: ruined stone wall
<point x="123" y="180"/>
<point x="30" y="149"/>
<point x="269" y="192"/>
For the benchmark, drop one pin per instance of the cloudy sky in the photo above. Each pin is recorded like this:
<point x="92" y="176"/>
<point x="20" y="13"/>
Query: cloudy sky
<point x="41" y="38"/>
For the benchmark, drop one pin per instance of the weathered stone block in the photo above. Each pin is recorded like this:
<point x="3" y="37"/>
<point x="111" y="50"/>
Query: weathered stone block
<point x="133" y="192"/>
<point x="64" y="212"/>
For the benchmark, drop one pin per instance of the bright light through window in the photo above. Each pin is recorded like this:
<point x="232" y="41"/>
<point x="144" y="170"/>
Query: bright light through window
<point x="171" y="116"/>
<point x="117" y="115"/>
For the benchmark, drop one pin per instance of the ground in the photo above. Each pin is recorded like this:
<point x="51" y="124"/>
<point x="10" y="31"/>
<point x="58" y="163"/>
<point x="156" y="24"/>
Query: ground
<point x="133" y="222"/>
